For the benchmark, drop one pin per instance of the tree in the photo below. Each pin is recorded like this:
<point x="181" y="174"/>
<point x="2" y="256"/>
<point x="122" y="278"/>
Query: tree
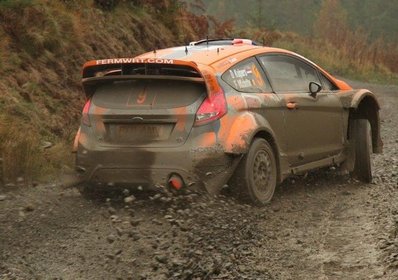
<point x="331" y="23"/>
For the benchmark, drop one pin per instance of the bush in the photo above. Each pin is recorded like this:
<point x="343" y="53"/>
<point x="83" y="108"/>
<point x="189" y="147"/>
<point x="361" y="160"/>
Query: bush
<point x="107" y="5"/>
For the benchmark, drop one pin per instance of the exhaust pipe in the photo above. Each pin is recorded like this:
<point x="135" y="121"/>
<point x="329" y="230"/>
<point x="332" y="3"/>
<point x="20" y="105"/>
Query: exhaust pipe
<point x="175" y="181"/>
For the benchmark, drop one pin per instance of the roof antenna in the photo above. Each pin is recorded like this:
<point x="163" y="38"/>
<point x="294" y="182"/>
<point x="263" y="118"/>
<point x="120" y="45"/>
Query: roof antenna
<point x="186" y="50"/>
<point x="154" y="52"/>
<point x="218" y="50"/>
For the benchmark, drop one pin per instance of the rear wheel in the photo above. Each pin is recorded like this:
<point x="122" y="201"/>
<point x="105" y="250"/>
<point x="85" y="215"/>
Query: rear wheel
<point x="363" y="144"/>
<point x="255" y="176"/>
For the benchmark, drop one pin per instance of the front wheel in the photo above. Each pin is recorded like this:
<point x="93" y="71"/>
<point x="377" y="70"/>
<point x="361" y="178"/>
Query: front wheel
<point x="255" y="176"/>
<point x="363" y="145"/>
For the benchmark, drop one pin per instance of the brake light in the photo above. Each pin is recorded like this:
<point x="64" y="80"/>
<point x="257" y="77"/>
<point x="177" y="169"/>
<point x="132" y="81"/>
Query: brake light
<point x="212" y="108"/>
<point x="86" y="109"/>
<point x="242" y="42"/>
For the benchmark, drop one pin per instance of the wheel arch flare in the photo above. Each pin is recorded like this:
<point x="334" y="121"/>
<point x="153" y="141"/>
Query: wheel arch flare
<point x="364" y="105"/>
<point x="236" y="134"/>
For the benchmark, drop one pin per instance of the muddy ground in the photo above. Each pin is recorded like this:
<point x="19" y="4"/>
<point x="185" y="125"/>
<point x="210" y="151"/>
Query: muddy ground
<point x="320" y="226"/>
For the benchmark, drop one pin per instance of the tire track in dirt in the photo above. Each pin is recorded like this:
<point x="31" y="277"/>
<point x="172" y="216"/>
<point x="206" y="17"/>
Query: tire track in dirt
<point x="323" y="242"/>
<point x="349" y="249"/>
<point x="326" y="230"/>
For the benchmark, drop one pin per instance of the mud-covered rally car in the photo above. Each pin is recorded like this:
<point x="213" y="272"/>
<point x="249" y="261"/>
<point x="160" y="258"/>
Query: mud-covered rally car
<point x="217" y="112"/>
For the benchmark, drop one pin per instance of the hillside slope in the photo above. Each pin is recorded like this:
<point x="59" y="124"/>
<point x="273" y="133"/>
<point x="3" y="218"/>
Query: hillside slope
<point x="42" y="47"/>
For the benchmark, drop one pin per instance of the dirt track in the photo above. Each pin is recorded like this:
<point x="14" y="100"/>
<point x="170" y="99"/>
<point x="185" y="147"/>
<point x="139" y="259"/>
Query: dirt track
<point x="322" y="226"/>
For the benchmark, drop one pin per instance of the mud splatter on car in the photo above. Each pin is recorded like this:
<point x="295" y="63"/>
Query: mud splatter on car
<point x="220" y="111"/>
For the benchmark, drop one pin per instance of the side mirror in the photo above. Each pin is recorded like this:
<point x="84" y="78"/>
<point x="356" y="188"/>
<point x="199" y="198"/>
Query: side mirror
<point x="314" y="89"/>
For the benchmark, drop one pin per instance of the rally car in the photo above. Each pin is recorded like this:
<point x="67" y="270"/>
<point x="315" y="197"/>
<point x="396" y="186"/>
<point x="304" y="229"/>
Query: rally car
<point x="220" y="112"/>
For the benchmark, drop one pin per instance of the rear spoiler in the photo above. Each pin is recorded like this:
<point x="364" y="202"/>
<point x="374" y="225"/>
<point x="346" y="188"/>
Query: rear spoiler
<point x="139" y="66"/>
<point x="156" y="68"/>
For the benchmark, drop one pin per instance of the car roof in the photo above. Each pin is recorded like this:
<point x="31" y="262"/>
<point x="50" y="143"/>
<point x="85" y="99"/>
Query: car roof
<point x="217" y="57"/>
<point x="222" y="57"/>
<point x="212" y="55"/>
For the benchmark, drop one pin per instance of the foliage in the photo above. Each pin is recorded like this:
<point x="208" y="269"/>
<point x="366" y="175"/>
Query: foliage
<point x="285" y="15"/>
<point x="222" y="29"/>
<point x="106" y="5"/>
<point x="355" y="46"/>
<point x="337" y="61"/>
<point x="328" y="30"/>
<point x="378" y="18"/>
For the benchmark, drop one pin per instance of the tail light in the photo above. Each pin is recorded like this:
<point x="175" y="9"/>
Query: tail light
<point x="86" y="109"/>
<point x="215" y="104"/>
<point x="212" y="108"/>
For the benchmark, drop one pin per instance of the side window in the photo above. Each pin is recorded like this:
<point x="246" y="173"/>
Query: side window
<point x="288" y="74"/>
<point x="326" y="84"/>
<point x="246" y="77"/>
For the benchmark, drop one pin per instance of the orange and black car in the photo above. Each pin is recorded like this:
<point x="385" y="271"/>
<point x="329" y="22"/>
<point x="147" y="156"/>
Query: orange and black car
<point x="217" y="112"/>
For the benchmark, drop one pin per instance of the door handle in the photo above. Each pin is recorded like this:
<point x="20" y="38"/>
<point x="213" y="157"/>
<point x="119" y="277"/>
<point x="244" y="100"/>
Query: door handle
<point x="292" y="105"/>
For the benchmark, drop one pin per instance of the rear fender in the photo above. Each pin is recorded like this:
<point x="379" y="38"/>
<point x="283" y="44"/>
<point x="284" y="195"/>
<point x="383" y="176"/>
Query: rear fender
<point x="237" y="132"/>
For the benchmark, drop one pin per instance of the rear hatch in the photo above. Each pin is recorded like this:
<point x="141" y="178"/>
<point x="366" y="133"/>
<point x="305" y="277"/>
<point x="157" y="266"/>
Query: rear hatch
<point x="150" y="111"/>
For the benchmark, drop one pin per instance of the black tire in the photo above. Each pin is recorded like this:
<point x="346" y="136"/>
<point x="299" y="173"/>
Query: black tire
<point x="363" y="144"/>
<point x="255" y="177"/>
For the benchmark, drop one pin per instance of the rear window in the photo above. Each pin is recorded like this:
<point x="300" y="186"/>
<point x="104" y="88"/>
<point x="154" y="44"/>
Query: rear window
<point x="147" y="94"/>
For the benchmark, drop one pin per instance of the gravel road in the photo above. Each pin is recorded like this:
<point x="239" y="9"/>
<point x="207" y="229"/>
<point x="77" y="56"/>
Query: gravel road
<point x="318" y="226"/>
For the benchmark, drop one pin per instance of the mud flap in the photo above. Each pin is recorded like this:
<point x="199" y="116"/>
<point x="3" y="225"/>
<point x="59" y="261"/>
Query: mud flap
<point x="349" y="164"/>
<point x="214" y="185"/>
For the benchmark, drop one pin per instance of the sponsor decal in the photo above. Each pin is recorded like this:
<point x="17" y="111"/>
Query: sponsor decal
<point x="134" y="60"/>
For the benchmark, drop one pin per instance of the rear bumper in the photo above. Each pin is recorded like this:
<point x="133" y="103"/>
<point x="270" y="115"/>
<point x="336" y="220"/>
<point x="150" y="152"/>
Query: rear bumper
<point x="209" y="166"/>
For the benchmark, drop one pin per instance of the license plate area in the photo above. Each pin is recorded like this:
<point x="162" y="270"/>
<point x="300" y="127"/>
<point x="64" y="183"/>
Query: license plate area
<point x="138" y="133"/>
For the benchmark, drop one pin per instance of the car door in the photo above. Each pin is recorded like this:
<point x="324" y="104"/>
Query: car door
<point x="249" y="81"/>
<point x="313" y="124"/>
